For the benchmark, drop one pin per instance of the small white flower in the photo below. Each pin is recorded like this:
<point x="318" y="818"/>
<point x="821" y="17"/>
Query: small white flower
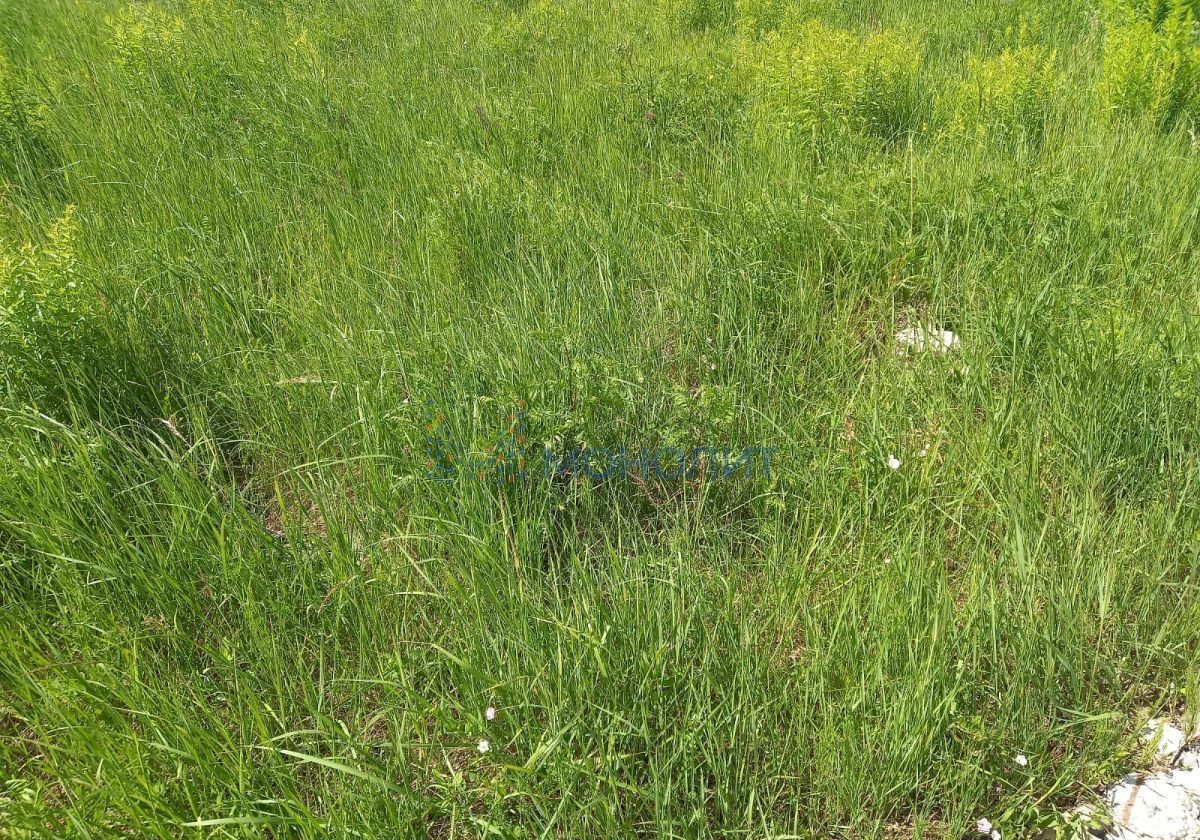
<point x="984" y="826"/>
<point x="484" y="745"/>
<point x="995" y="834"/>
<point x="713" y="366"/>
<point x="924" y="451"/>
<point x="490" y="713"/>
<point x="887" y="561"/>
<point x="893" y="462"/>
<point x="1022" y="760"/>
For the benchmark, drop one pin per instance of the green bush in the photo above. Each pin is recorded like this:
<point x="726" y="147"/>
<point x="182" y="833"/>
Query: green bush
<point x="144" y="37"/>
<point x="43" y="311"/>
<point x="1009" y="95"/>
<point x="808" y="77"/>
<point x="1151" y="63"/>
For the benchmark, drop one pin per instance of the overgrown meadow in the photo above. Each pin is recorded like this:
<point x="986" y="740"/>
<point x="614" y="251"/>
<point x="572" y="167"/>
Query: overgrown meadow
<point x="256" y="255"/>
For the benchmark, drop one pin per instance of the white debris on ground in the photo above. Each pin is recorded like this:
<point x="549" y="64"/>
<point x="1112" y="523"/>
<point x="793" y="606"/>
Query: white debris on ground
<point x="1164" y="805"/>
<point x="926" y="338"/>
<point x="1169" y="739"/>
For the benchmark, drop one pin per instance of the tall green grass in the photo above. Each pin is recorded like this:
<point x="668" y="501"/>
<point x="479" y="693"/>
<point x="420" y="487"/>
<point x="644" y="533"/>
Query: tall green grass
<point x="248" y="248"/>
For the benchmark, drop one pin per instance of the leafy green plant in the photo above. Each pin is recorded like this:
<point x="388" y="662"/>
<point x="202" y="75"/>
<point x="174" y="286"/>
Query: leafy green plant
<point x="19" y="800"/>
<point x="487" y="209"/>
<point x="808" y="76"/>
<point x="22" y="116"/>
<point x="43" y="309"/>
<point x="687" y="102"/>
<point x="525" y="34"/>
<point x="1155" y="12"/>
<point x="144" y="37"/>
<point x="1011" y="94"/>
<point x="698" y="15"/>
<point x="699" y="415"/>
<point x="1152" y="63"/>
<point x="755" y="17"/>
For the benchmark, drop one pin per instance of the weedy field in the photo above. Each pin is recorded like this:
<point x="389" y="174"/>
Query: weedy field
<point x="267" y="268"/>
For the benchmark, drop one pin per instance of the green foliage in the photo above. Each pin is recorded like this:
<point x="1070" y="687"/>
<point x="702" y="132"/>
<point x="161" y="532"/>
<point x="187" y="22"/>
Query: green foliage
<point x="232" y="598"/>
<point x="22" y="117"/>
<point x="145" y="38"/>
<point x="699" y="414"/>
<point x="529" y="33"/>
<point x="698" y="15"/>
<point x="43" y="308"/>
<point x="1154" y="12"/>
<point x="755" y="17"/>
<point x="1009" y="95"/>
<point x="808" y="77"/>
<point x="1152" y="63"/>
<point x="687" y="102"/>
<point x="20" y="803"/>
<point x="486" y="210"/>
<point x="171" y="58"/>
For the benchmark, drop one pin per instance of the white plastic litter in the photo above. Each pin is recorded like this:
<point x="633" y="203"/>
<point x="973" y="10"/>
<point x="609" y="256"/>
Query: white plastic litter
<point x="927" y="338"/>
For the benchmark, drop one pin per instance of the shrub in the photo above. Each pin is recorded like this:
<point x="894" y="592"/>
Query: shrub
<point x="43" y="312"/>
<point x="144" y="37"/>
<point x="808" y="77"/>
<point x="1152" y="64"/>
<point x="1009" y="95"/>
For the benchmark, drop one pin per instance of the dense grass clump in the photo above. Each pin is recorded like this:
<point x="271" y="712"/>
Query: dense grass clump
<point x="1012" y="94"/>
<point x="44" y="310"/>
<point x="371" y="365"/>
<point x="808" y="76"/>
<point x="698" y="15"/>
<point x="22" y="122"/>
<point x="1152" y="63"/>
